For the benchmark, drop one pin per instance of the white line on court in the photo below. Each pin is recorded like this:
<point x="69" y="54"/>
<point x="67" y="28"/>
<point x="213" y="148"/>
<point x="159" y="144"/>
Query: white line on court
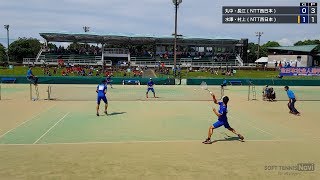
<point x="173" y="141"/>
<point x="51" y="128"/>
<point x="27" y="121"/>
<point x="261" y="130"/>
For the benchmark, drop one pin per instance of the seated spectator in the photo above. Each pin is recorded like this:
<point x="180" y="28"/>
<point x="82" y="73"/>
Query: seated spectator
<point x="271" y="95"/>
<point x="98" y="73"/>
<point x="265" y="92"/>
<point x="216" y="72"/>
<point x="55" y="70"/>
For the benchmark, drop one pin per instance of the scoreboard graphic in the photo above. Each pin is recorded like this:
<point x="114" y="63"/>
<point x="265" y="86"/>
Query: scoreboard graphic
<point x="306" y="13"/>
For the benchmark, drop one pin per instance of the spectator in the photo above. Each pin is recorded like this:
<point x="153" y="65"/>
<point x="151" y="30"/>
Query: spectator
<point x="32" y="78"/>
<point x="55" y="70"/>
<point x="271" y="95"/>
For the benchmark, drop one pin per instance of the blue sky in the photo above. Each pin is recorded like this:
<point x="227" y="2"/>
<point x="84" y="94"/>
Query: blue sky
<point x="196" y="18"/>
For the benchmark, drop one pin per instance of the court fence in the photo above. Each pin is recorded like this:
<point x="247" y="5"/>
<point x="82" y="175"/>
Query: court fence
<point x="90" y="80"/>
<point x="257" y="82"/>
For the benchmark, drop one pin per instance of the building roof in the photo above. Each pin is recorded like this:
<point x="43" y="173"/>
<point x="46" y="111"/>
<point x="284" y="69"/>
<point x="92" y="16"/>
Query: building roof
<point x="262" y="60"/>
<point x="134" y="39"/>
<point x="305" y="48"/>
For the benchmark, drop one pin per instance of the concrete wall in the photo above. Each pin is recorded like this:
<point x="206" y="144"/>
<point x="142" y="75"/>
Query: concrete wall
<point x="304" y="61"/>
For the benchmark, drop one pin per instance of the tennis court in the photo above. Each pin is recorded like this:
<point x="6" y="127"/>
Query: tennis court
<point x="154" y="138"/>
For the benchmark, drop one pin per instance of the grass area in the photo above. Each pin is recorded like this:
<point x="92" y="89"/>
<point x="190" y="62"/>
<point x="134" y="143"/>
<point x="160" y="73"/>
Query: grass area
<point x="21" y="71"/>
<point x="239" y="74"/>
<point x="38" y="71"/>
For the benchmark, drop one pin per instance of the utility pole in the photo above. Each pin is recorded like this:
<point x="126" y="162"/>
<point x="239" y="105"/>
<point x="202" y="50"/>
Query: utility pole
<point x="176" y="5"/>
<point x="7" y="28"/>
<point x="258" y="34"/>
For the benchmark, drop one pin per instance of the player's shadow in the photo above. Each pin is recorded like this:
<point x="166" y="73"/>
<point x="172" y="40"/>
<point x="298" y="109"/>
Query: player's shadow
<point x="116" y="113"/>
<point x="228" y="139"/>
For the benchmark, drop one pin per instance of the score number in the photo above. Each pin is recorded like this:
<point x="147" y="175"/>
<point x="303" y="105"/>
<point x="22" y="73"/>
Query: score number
<point x="308" y="13"/>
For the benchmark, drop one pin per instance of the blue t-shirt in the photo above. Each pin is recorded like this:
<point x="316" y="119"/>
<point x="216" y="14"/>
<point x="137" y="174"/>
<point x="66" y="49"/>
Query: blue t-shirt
<point x="223" y="111"/>
<point x="224" y="82"/>
<point x="150" y="84"/>
<point x="29" y="73"/>
<point x="291" y="94"/>
<point x="101" y="89"/>
<point x="108" y="79"/>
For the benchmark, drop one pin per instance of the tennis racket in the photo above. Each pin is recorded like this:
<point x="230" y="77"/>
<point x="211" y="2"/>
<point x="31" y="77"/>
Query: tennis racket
<point x="204" y="86"/>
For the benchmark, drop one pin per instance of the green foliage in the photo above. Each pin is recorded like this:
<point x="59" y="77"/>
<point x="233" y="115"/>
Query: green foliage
<point x="309" y="42"/>
<point x="52" y="46"/>
<point x="2" y="53"/>
<point x="271" y="44"/>
<point x="263" y="52"/>
<point x="24" y="48"/>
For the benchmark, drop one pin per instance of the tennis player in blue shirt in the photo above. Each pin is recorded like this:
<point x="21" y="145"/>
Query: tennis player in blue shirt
<point x="292" y="100"/>
<point x="109" y="81"/>
<point x="222" y="118"/>
<point x="150" y="88"/>
<point x="101" y="91"/>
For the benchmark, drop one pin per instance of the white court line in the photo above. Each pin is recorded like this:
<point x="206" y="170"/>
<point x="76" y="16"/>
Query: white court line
<point x="173" y="141"/>
<point x="261" y="130"/>
<point x="51" y="128"/>
<point x="26" y="121"/>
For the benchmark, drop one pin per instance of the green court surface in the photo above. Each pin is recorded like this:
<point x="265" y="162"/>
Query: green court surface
<point x="155" y="138"/>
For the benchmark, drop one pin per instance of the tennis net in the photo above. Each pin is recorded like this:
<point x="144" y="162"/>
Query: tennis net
<point x="132" y="93"/>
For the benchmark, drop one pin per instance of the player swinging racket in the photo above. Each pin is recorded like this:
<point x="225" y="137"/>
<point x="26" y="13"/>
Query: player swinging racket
<point x="102" y="90"/>
<point x="292" y="100"/>
<point x="150" y="88"/>
<point x="222" y="118"/>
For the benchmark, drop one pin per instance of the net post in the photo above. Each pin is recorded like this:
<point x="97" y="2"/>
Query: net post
<point x="222" y="92"/>
<point x="249" y="92"/>
<point x="30" y="92"/>
<point x="49" y="88"/>
<point x="37" y="92"/>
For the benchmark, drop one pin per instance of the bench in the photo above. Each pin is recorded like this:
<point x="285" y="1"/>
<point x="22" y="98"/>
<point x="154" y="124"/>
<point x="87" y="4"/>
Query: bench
<point x="131" y="82"/>
<point x="235" y="82"/>
<point x="8" y="80"/>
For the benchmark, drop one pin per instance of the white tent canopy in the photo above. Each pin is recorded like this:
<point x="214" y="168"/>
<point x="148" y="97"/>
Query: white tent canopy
<point x="262" y="60"/>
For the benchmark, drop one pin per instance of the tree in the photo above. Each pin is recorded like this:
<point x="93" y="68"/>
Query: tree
<point x="24" y="48"/>
<point x="3" y="56"/>
<point x="271" y="44"/>
<point x="264" y="48"/>
<point x="52" y="47"/>
<point x="309" y="42"/>
<point x="252" y="55"/>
